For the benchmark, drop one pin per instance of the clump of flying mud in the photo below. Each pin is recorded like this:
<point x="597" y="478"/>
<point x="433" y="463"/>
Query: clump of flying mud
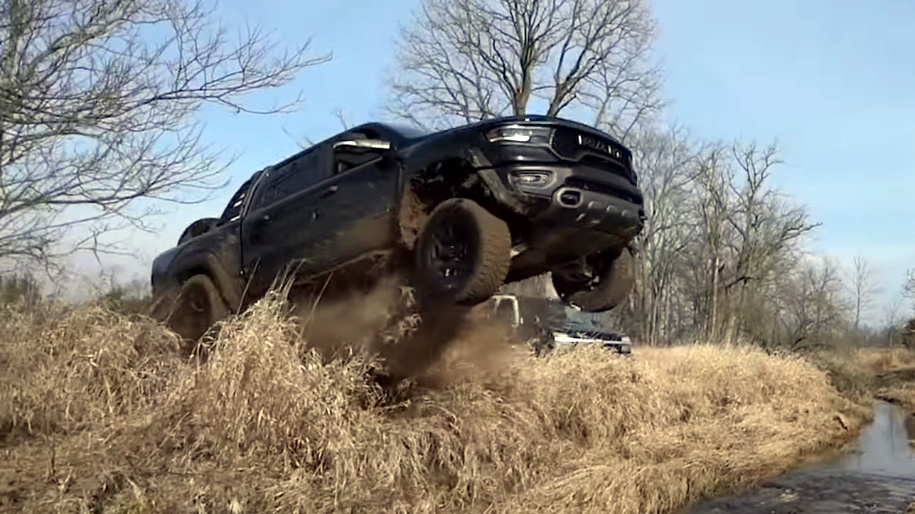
<point x="409" y="342"/>
<point x="102" y="413"/>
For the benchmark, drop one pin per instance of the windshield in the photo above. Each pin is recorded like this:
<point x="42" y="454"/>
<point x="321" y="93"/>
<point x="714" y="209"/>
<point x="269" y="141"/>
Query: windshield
<point x="556" y="316"/>
<point x="579" y="325"/>
<point x="560" y="317"/>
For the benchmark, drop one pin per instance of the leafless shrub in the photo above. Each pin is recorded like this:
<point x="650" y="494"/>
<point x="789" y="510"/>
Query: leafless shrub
<point x="462" y="61"/>
<point x="97" y="105"/>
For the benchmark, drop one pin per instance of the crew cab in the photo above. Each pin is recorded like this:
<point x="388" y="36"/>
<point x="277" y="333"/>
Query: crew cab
<point x="462" y="211"/>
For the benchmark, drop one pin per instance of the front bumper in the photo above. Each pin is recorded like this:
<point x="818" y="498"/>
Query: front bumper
<point x="580" y="197"/>
<point x="572" y="205"/>
<point x="567" y="341"/>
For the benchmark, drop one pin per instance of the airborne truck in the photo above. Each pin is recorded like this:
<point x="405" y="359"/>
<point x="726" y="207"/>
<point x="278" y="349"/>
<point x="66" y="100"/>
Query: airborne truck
<point x="461" y="211"/>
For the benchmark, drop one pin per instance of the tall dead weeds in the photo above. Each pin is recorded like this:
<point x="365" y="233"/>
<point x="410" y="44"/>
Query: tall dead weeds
<point x="66" y="369"/>
<point x="270" y="423"/>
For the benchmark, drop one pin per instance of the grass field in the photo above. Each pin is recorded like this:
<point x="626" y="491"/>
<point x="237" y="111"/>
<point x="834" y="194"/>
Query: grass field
<point x="99" y="412"/>
<point x="888" y="374"/>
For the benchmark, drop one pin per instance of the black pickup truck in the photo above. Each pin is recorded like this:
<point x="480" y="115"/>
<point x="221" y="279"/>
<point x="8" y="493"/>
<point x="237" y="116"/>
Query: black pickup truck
<point x="462" y="211"/>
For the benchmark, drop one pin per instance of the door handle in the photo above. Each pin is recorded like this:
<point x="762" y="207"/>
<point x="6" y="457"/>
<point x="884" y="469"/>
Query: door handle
<point x="329" y="191"/>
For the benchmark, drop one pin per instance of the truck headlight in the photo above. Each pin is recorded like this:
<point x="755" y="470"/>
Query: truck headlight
<point x="519" y="134"/>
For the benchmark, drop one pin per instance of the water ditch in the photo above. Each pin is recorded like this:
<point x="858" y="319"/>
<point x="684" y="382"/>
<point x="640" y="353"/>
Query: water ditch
<point x="876" y="476"/>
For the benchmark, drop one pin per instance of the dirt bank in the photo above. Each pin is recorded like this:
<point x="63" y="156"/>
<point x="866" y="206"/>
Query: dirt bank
<point x="876" y="475"/>
<point x="99" y="412"/>
<point x="885" y="374"/>
<point x="881" y="373"/>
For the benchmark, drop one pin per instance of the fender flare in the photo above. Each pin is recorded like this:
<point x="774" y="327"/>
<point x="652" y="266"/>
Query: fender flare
<point x="477" y="168"/>
<point x="196" y="228"/>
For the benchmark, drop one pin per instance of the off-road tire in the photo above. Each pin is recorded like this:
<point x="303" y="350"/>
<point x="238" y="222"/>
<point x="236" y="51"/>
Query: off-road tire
<point x="488" y="242"/>
<point x="197" y="308"/>
<point x="613" y="285"/>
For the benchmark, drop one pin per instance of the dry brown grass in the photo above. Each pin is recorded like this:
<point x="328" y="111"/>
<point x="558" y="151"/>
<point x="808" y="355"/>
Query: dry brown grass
<point x="887" y="373"/>
<point x="98" y="412"/>
<point x="879" y="360"/>
<point x="66" y="371"/>
<point x="900" y="392"/>
<point x="904" y="395"/>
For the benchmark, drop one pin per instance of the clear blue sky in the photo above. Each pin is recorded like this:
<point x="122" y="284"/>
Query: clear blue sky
<point x="832" y="80"/>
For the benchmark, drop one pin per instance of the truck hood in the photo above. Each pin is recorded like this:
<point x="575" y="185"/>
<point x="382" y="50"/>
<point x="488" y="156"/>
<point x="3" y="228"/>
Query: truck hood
<point x="534" y="119"/>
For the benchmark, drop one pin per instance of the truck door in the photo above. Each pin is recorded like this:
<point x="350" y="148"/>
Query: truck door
<point x="360" y="200"/>
<point x="281" y="229"/>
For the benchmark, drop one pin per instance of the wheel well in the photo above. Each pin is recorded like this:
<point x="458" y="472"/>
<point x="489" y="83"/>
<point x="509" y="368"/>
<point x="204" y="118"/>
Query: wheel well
<point x="209" y="273"/>
<point x="449" y="178"/>
<point x="445" y="179"/>
<point x="196" y="270"/>
<point x="197" y="228"/>
<point x="175" y="284"/>
<point x="229" y="290"/>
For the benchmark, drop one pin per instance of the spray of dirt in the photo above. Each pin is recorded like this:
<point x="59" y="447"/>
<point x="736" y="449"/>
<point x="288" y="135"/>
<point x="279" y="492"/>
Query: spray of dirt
<point x="420" y="348"/>
<point x="431" y="346"/>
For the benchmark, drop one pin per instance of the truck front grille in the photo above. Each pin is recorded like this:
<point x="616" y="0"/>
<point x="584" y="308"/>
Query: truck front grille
<point x="579" y="146"/>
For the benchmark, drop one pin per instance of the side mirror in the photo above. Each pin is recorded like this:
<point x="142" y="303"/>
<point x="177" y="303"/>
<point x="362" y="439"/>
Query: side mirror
<point x="362" y="144"/>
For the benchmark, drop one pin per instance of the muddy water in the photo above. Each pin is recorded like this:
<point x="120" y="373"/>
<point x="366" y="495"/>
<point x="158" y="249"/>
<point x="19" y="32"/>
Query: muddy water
<point x="877" y="476"/>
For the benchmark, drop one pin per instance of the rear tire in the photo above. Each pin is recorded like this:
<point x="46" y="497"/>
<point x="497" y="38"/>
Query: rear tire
<point x="463" y="253"/>
<point x="613" y="284"/>
<point x="197" y="308"/>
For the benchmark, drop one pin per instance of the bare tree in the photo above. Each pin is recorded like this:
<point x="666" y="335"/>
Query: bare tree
<point x="765" y="223"/>
<point x="712" y="206"/>
<point x="908" y="287"/>
<point x="891" y="311"/>
<point x="766" y="227"/>
<point x="892" y="320"/>
<point x="814" y="310"/>
<point x="668" y="165"/>
<point x="863" y="289"/>
<point x="462" y="61"/>
<point x="907" y="335"/>
<point x="97" y="105"/>
<point x="746" y="232"/>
